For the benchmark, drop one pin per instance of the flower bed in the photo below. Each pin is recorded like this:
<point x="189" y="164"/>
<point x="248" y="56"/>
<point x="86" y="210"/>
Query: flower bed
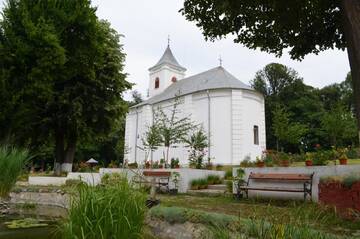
<point x="343" y="193"/>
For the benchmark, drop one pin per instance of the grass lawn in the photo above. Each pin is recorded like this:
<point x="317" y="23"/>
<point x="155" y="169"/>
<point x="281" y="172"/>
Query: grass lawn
<point x="277" y="212"/>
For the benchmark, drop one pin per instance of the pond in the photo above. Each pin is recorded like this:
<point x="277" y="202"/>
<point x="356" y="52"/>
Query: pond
<point x="51" y="215"/>
<point x="27" y="233"/>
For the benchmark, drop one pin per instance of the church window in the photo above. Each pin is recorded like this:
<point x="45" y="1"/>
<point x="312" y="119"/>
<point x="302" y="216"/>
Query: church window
<point x="157" y="82"/>
<point x="173" y="79"/>
<point x="256" y="134"/>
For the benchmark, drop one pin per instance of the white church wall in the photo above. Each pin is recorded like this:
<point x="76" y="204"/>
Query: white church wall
<point x="252" y="113"/>
<point x="237" y="118"/>
<point x="220" y="127"/>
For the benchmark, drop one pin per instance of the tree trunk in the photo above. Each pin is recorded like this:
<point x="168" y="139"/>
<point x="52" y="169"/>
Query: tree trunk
<point x="69" y="153"/>
<point x="351" y="18"/>
<point x="59" y="150"/>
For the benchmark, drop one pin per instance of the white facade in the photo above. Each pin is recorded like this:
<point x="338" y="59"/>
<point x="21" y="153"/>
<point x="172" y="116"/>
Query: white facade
<point x="227" y="109"/>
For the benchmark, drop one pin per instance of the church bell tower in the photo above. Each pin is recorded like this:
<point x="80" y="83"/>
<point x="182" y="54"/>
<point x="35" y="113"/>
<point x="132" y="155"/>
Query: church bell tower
<point x="166" y="72"/>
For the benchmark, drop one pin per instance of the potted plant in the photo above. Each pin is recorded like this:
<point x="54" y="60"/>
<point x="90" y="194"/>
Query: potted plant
<point x="147" y="164"/>
<point x="174" y="163"/>
<point x="284" y="160"/>
<point x="162" y="162"/>
<point x="175" y="178"/>
<point x="308" y="159"/>
<point x="342" y="156"/>
<point x="259" y="162"/>
<point x="194" y="185"/>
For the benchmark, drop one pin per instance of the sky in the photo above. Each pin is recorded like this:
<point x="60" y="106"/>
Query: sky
<point x="146" y="26"/>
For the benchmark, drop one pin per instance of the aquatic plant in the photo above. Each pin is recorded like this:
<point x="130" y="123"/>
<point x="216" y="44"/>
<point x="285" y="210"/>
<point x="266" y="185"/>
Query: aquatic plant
<point x="12" y="162"/>
<point x="107" y="211"/>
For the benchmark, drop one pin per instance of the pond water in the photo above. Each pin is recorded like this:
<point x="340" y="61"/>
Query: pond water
<point x="47" y="232"/>
<point x="52" y="214"/>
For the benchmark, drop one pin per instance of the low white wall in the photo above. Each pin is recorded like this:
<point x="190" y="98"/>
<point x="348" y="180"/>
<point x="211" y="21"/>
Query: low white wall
<point x="89" y="178"/>
<point x="319" y="171"/>
<point x="47" y="181"/>
<point x="186" y="175"/>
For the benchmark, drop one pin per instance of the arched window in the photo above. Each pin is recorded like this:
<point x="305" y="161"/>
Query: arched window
<point x="157" y="82"/>
<point x="256" y="134"/>
<point x="173" y="79"/>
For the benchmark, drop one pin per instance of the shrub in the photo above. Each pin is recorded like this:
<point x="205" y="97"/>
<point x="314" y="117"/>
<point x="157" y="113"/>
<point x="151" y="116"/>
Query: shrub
<point x="246" y="162"/>
<point x="213" y="179"/>
<point x="228" y="174"/>
<point x="352" y="153"/>
<point x="12" y="162"/>
<point x="194" y="184"/>
<point x="203" y="183"/>
<point x="116" y="210"/>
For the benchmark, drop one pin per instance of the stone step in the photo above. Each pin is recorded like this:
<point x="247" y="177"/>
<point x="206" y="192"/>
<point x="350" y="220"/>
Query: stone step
<point x="217" y="187"/>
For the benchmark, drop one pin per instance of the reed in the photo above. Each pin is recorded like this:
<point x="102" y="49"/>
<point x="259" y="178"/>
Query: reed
<point x="12" y="162"/>
<point x="108" y="211"/>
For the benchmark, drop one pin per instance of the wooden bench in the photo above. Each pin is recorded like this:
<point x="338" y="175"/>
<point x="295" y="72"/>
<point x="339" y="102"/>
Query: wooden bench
<point x="304" y="179"/>
<point x="162" y="178"/>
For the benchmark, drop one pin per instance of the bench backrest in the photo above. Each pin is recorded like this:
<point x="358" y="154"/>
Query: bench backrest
<point x="157" y="173"/>
<point x="281" y="176"/>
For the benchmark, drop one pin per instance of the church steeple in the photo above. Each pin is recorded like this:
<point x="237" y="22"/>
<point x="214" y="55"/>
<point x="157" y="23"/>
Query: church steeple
<point x="165" y="72"/>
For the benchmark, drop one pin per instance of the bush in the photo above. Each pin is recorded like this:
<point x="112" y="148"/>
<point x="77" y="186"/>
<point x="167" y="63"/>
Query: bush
<point x="228" y="175"/>
<point x="246" y="163"/>
<point x="213" y="179"/>
<point x="12" y="163"/>
<point x="116" y="210"/>
<point x="229" y="186"/>
<point x="352" y="153"/>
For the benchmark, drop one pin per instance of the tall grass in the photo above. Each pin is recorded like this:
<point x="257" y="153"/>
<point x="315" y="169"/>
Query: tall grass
<point x="12" y="162"/>
<point x="109" y="211"/>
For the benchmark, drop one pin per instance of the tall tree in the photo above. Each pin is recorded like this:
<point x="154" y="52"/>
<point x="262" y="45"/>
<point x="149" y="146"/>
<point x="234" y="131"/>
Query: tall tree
<point x="65" y="67"/>
<point x="285" y="130"/>
<point x="172" y="126"/>
<point x="304" y="27"/>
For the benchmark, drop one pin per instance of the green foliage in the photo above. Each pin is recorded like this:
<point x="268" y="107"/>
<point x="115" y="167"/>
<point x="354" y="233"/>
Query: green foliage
<point x="116" y="210"/>
<point x="339" y="125"/>
<point x="213" y="179"/>
<point x="64" y="70"/>
<point x="228" y="174"/>
<point x="271" y="26"/>
<point x="172" y="127"/>
<point x="351" y="179"/>
<point x="73" y="182"/>
<point x="201" y="183"/>
<point x="174" y="163"/>
<point x="197" y="142"/>
<point x="151" y="140"/>
<point x="285" y="130"/>
<point x="12" y="163"/>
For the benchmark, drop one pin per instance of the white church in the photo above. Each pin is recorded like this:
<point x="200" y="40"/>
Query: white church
<point x="231" y="113"/>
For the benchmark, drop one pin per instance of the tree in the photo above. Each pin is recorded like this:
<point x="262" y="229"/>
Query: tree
<point x="151" y="141"/>
<point x="64" y="67"/>
<point x="172" y="126"/>
<point x="285" y="130"/>
<point x="339" y="126"/>
<point x="136" y="98"/>
<point x="197" y="142"/>
<point x="304" y="27"/>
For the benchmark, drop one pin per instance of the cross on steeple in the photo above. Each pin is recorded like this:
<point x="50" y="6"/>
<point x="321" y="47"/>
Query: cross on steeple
<point x="220" y="60"/>
<point x="168" y="40"/>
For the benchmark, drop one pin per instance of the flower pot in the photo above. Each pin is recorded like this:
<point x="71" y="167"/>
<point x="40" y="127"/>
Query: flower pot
<point x="343" y="161"/>
<point x="308" y="163"/>
<point x="260" y="164"/>
<point x="177" y="166"/>
<point x="284" y="163"/>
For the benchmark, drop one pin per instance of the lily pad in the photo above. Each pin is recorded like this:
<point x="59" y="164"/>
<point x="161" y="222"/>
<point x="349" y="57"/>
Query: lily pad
<point x="25" y="223"/>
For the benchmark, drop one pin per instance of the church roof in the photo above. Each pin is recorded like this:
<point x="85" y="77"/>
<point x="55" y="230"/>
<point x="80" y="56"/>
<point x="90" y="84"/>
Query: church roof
<point x="169" y="59"/>
<point x="216" y="78"/>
